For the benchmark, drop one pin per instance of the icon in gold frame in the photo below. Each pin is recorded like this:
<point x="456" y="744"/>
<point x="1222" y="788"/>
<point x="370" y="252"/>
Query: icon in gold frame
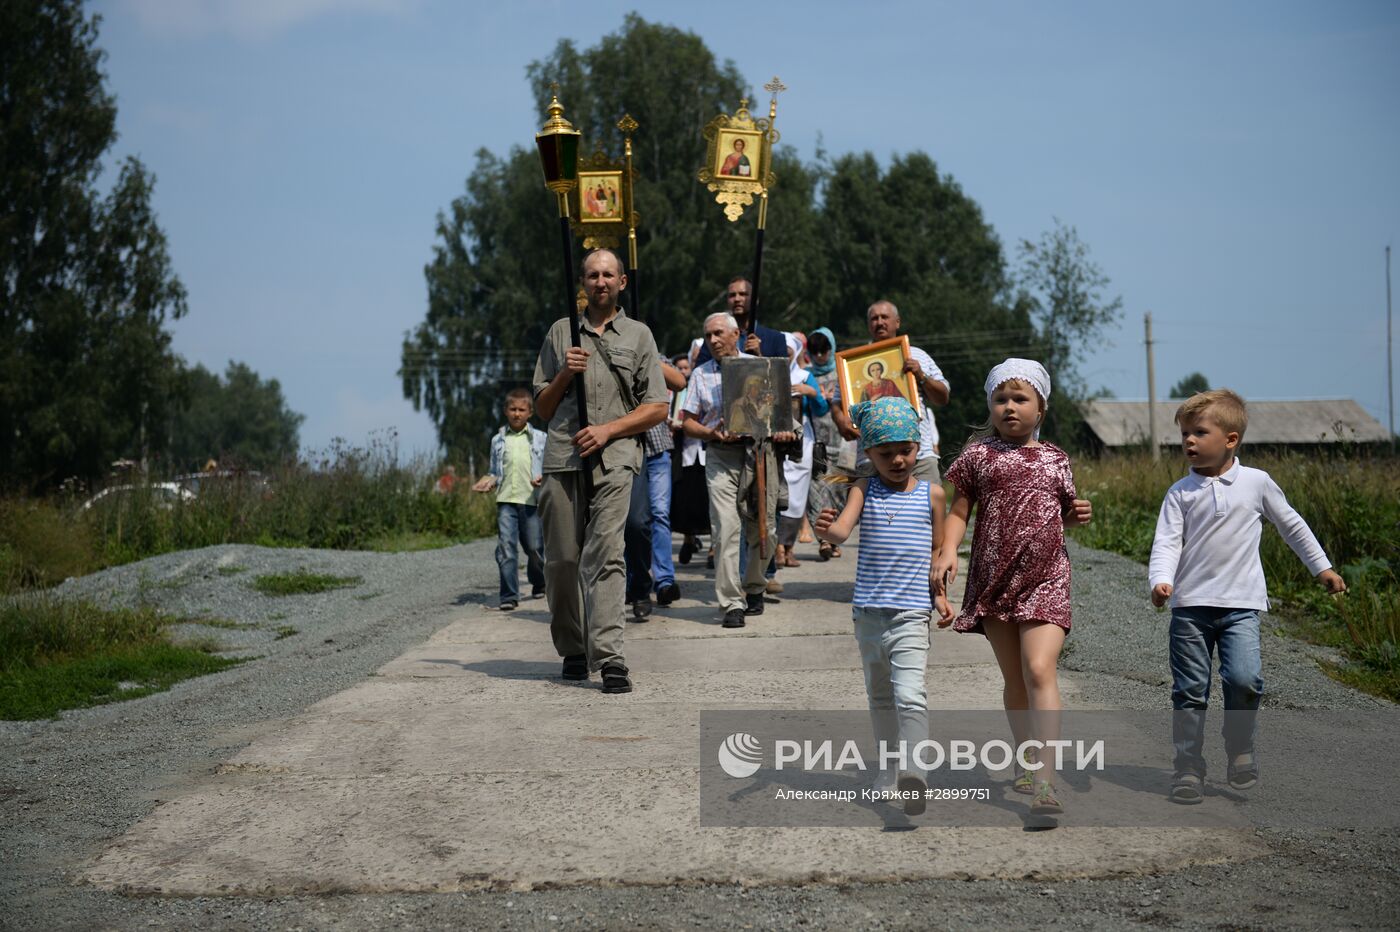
<point x="875" y="370"/>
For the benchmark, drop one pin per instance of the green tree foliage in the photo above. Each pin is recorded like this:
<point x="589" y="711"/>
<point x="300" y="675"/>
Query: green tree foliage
<point x="842" y="233"/>
<point x="911" y="236"/>
<point x="1193" y="383"/>
<point x="239" y="420"/>
<point x="1066" y="290"/>
<point x="86" y="369"/>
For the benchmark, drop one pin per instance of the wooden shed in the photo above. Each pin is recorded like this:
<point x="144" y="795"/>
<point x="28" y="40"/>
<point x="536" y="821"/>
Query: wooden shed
<point x="1115" y="424"/>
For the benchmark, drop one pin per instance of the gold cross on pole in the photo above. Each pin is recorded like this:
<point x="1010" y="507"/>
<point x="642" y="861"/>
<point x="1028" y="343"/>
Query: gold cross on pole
<point x="774" y="87"/>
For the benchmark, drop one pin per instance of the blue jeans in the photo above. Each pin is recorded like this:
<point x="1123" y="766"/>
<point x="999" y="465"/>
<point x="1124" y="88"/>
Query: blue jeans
<point x="658" y="470"/>
<point x="520" y="522"/>
<point x="1195" y="634"/>
<point x="647" y="540"/>
<point x="894" y="652"/>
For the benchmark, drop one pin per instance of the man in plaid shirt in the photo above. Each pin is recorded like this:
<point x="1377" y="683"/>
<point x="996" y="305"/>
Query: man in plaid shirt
<point x="647" y="539"/>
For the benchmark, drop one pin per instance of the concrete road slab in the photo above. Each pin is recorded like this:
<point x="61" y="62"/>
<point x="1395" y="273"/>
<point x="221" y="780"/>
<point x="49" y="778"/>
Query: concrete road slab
<point x="467" y="764"/>
<point x="275" y="835"/>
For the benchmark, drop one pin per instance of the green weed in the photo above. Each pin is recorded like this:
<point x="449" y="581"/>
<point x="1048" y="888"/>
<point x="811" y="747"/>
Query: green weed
<point x="302" y="582"/>
<point x="58" y="654"/>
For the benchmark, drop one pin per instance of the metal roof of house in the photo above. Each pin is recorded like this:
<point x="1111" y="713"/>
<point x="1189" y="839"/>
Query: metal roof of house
<point x="1332" y="420"/>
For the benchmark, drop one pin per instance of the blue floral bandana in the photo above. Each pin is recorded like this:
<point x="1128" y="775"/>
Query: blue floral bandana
<point x="885" y="420"/>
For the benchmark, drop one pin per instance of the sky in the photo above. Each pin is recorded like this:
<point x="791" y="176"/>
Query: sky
<point x="1231" y="165"/>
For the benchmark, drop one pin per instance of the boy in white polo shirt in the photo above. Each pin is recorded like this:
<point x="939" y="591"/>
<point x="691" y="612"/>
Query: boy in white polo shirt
<point x="1205" y="559"/>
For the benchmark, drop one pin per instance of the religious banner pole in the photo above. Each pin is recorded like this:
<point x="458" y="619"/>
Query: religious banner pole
<point x="774" y="87"/>
<point x="558" y="144"/>
<point x="738" y="168"/>
<point x="628" y="126"/>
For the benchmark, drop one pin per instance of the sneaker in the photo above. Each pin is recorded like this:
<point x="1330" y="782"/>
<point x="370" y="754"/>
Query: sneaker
<point x="754" y="604"/>
<point x="538" y="593"/>
<point x="913" y="784"/>
<point x="615" y="679"/>
<point x="773" y="586"/>
<point x="575" y="667"/>
<point x="641" y="610"/>
<point x="508" y="606"/>
<point x="734" y="618"/>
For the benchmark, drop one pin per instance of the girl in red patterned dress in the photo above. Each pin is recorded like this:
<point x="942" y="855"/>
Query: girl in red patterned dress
<point x="1018" y="577"/>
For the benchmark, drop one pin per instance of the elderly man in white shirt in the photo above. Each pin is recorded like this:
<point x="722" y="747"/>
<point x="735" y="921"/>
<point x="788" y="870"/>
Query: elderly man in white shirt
<point x="724" y="462"/>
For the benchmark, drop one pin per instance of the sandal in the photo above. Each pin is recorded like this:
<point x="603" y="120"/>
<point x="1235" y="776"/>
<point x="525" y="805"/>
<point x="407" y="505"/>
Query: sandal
<point x="1024" y="782"/>
<point x="1186" y="789"/>
<point x="1045" y="802"/>
<point x="1244" y="777"/>
<point x="824" y="551"/>
<point x="836" y="552"/>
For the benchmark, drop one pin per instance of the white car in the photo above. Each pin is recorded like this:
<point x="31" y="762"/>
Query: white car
<point x="161" y="494"/>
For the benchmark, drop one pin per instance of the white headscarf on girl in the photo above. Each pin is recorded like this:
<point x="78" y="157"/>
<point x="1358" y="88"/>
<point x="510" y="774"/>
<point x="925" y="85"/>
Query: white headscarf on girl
<point x="1024" y="370"/>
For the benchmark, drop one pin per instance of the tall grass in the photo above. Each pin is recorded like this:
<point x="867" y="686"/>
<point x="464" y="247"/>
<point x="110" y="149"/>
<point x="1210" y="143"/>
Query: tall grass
<point x="349" y="498"/>
<point x="58" y="654"/>
<point x="1350" y="500"/>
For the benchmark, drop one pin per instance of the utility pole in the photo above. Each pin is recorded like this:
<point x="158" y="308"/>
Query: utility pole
<point x="1389" y="378"/>
<point x="1151" y="391"/>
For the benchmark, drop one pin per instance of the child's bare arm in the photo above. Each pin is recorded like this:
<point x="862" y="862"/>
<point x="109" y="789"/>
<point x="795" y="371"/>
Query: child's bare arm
<point x="944" y="610"/>
<point x="834" y="528"/>
<point x="954" y="527"/>
<point x="937" y="506"/>
<point x="484" y="484"/>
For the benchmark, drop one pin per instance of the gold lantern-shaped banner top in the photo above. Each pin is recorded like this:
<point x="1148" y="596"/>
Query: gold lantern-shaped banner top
<point x="558" y="142"/>
<point x="738" y="166"/>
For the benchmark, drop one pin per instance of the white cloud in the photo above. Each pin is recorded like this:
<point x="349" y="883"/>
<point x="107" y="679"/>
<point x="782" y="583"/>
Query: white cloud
<point x="247" y="19"/>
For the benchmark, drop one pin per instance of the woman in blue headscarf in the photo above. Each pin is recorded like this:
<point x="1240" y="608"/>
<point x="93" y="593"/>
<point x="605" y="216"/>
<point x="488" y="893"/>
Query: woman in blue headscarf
<point x="827" y="454"/>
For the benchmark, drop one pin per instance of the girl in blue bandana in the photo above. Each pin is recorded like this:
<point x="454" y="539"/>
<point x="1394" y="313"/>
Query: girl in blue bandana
<point x="901" y="521"/>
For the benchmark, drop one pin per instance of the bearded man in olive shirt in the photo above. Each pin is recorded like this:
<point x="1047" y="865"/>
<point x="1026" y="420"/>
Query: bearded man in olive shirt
<point x="584" y="571"/>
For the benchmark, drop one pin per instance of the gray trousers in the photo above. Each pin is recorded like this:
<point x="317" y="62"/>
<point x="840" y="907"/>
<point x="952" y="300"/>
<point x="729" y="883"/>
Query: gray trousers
<point x="723" y="466"/>
<point x="588" y="576"/>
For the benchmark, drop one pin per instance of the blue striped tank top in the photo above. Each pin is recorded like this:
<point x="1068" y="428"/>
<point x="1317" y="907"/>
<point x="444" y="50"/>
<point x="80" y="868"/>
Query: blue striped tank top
<point x="896" y="545"/>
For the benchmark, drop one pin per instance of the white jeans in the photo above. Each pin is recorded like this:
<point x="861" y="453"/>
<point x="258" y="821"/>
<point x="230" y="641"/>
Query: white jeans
<point x="894" y="652"/>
